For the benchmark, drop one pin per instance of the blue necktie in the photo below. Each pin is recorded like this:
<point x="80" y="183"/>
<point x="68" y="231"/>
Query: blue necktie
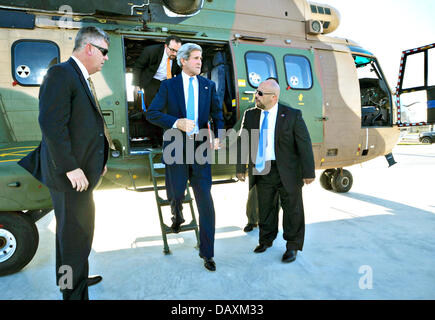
<point x="262" y="144"/>
<point x="191" y="103"/>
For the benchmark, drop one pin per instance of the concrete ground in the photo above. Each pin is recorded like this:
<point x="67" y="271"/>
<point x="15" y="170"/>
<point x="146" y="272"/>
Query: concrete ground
<point x="375" y="242"/>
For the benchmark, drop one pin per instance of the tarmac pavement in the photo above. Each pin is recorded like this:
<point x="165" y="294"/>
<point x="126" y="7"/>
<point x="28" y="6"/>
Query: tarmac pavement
<point x="375" y="242"/>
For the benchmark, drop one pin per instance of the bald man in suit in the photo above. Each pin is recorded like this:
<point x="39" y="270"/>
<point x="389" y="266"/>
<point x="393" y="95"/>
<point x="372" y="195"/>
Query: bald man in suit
<point x="280" y="162"/>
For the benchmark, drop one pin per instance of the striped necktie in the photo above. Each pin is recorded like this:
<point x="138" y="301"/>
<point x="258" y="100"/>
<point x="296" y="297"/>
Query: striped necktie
<point x="106" y="131"/>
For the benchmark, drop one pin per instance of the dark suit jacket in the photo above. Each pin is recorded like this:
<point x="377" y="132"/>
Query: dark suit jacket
<point x="72" y="130"/>
<point x="169" y="105"/>
<point x="293" y="148"/>
<point x="147" y="64"/>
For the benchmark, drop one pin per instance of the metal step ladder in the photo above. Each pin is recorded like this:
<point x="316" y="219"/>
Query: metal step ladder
<point x="157" y="171"/>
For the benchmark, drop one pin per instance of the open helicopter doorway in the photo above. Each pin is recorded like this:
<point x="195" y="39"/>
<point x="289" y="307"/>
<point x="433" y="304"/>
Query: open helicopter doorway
<point x="216" y="65"/>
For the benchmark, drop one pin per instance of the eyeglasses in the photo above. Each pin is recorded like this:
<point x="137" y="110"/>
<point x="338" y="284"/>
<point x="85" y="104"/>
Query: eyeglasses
<point x="173" y="50"/>
<point x="261" y="93"/>
<point x="104" y="51"/>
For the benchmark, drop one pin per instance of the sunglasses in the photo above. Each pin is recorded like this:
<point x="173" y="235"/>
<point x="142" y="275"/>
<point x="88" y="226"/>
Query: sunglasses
<point x="103" y="51"/>
<point x="261" y="93"/>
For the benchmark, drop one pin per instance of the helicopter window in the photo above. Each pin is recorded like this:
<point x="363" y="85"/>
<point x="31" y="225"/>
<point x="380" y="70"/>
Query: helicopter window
<point x="431" y="67"/>
<point x="31" y="60"/>
<point x="361" y="61"/>
<point x="414" y="107"/>
<point x="313" y="9"/>
<point x="375" y="95"/>
<point x="298" y="72"/>
<point x="414" y="71"/>
<point x="417" y="91"/>
<point x="261" y="66"/>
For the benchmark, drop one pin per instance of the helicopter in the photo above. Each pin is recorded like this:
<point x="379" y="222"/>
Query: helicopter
<point x="338" y="85"/>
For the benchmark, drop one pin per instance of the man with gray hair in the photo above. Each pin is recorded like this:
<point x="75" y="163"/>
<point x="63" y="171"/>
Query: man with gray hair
<point x="184" y="104"/>
<point x="72" y="156"/>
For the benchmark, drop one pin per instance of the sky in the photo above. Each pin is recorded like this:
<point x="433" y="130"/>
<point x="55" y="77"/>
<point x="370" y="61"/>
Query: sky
<point x="386" y="28"/>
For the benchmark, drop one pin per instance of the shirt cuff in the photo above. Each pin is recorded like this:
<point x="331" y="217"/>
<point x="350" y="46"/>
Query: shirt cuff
<point x="175" y="124"/>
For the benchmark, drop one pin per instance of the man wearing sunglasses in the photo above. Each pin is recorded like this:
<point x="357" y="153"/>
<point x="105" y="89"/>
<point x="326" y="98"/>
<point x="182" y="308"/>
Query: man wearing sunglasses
<point x="252" y="203"/>
<point x="280" y="162"/>
<point x="72" y="156"/>
<point x="155" y="64"/>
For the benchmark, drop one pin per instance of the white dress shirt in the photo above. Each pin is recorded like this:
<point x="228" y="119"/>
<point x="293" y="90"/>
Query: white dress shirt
<point x="195" y="84"/>
<point x="161" y="73"/>
<point x="271" y="122"/>
<point x="83" y="70"/>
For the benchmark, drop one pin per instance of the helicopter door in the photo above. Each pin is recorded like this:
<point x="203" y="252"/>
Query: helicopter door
<point x="415" y="92"/>
<point x="293" y="68"/>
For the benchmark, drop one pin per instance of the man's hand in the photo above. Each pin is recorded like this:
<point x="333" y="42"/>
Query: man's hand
<point x="104" y="170"/>
<point x="308" y="181"/>
<point x="241" y="176"/>
<point x="78" y="180"/>
<point x="185" y="125"/>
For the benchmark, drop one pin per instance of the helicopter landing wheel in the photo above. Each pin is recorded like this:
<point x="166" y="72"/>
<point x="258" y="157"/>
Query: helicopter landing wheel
<point x="326" y="178"/>
<point x="342" y="181"/>
<point x="19" y="240"/>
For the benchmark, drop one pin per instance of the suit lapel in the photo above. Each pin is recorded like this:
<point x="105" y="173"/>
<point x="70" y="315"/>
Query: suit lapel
<point x="179" y="91"/>
<point x="202" y="92"/>
<point x="174" y="67"/>
<point x="255" y="133"/>
<point x="83" y="82"/>
<point x="256" y="119"/>
<point x="161" y="52"/>
<point x="281" y="116"/>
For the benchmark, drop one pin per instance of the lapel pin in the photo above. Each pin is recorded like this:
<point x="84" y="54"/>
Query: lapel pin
<point x="206" y="88"/>
<point x="283" y="115"/>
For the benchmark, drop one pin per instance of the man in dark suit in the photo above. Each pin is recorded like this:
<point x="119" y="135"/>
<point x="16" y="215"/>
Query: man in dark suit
<point x="252" y="203"/>
<point x="155" y="64"/>
<point x="72" y="155"/>
<point x="183" y="106"/>
<point x="280" y="162"/>
<point x="151" y="68"/>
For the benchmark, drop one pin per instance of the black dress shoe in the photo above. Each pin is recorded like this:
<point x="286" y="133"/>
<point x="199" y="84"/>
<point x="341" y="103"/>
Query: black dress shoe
<point x="249" y="227"/>
<point x="92" y="280"/>
<point x="209" y="263"/>
<point x="176" y="226"/>
<point x="262" y="247"/>
<point x="289" y="256"/>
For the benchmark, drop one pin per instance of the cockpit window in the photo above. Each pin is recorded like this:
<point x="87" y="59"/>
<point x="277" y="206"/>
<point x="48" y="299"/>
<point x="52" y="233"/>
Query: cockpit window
<point x="375" y="95"/>
<point x="358" y="50"/>
<point x="361" y="61"/>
